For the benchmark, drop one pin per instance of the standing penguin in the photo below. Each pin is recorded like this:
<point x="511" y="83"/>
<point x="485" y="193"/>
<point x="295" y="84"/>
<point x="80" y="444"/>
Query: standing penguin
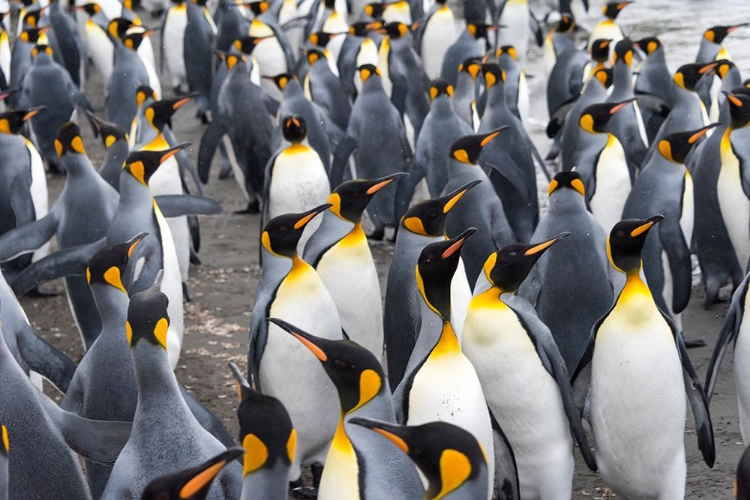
<point x="440" y="383"/>
<point x="325" y="88"/>
<point x="358" y="464"/>
<point x="607" y="28"/>
<point x="519" y="25"/>
<point x="437" y="32"/>
<point x="582" y="259"/>
<point x="131" y="74"/>
<point x="465" y="98"/>
<point x="271" y="49"/>
<point x="115" y="142"/>
<point x="377" y="134"/>
<point x="279" y="366"/>
<point x="472" y="42"/>
<point x="96" y="39"/>
<point x="711" y="48"/>
<point x="559" y="40"/>
<point x="340" y="254"/>
<point x="510" y="347"/>
<point x="635" y="375"/>
<point x="516" y="88"/>
<point x="70" y="43"/>
<point x="153" y="448"/>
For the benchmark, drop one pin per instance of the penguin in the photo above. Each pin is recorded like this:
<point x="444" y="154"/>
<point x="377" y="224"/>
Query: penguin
<point x="296" y="179"/>
<point x="272" y="51"/>
<point x="665" y="186"/>
<point x="741" y="486"/>
<point x="97" y="42"/>
<point x="653" y="77"/>
<point x="482" y="208"/>
<point x="634" y="377"/>
<point x="268" y="438"/>
<point x="437" y="34"/>
<point x="559" y="40"/>
<point x="711" y="48"/>
<point x="378" y="135"/>
<point x="193" y="483"/>
<point x="604" y="172"/>
<point x="519" y="24"/>
<point x="465" y="98"/>
<point x="115" y="142"/>
<point x="358" y="465"/>
<point x="232" y="23"/>
<point x="325" y="88"/>
<point x="280" y="367"/>
<point x="439" y="449"/>
<point x="120" y="91"/>
<point x="607" y="28"/>
<point x="422" y="224"/>
<point x="130" y="28"/>
<point x="70" y="43"/>
<point x="339" y="252"/>
<point x="85" y="197"/>
<point x="510" y="347"/>
<point x="357" y="49"/>
<point x="472" y="42"/>
<point x="165" y="436"/>
<point x="440" y="382"/>
<point x="516" y="88"/>
<point x="582" y="259"/>
<point x="21" y="58"/>
<point x="729" y="79"/>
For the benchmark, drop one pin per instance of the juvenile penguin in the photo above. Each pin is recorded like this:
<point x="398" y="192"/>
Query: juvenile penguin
<point x="634" y="375"/>
<point x="279" y="366"/>
<point x="510" y="348"/>
<point x="155" y="449"/>
<point x="581" y="259"/>
<point x="340" y="254"/>
<point x="440" y="382"/>
<point x="359" y="464"/>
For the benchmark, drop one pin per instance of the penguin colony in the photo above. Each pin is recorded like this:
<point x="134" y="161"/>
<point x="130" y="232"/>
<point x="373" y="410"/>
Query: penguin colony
<point x="485" y="374"/>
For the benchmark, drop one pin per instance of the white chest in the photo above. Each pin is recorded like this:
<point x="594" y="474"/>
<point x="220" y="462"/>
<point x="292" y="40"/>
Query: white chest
<point x="612" y="185"/>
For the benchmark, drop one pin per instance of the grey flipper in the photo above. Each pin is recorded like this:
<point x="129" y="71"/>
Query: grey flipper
<point x="506" y="473"/>
<point x="536" y="29"/>
<point x="729" y="332"/>
<point x="20" y="201"/>
<point x="209" y="141"/>
<point x="673" y="241"/>
<point x="510" y="171"/>
<point x="175" y="205"/>
<point x="341" y="159"/>
<point x="43" y="358"/>
<point x="27" y="237"/>
<point x="68" y="262"/>
<point x="96" y="440"/>
<point x="208" y="420"/>
<point x="183" y="160"/>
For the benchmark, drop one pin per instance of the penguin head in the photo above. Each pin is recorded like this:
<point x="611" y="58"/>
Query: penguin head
<point x="266" y="431"/>
<point x="507" y="268"/>
<point x="11" y="122"/>
<point x="148" y="319"/>
<point x="739" y="107"/>
<point x="247" y="44"/>
<point x="367" y="70"/>
<point x="282" y="233"/>
<point x="612" y="9"/>
<point x="362" y="29"/>
<point x="624" y="52"/>
<point x="595" y="118"/>
<point x="354" y="370"/>
<point x="118" y="26"/>
<point x="625" y="243"/>
<point x="448" y="455"/>
<point x="160" y="113"/>
<point x="649" y="45"/>
<point x="566" y="24"/>
<point x="440" y="87"/>
<point x="33" y="35"/>
<point x="675" y="147"/>
<point x="294" y="129"/>
<point x="375" y="10"/>
<point x="320" y="38"/>
<point x="567" y="179"/>
<point x="68" y="140"/>
<point x="394" y="30"/>
<point x="492" y="74"/>
<point x="142" y="93"/>
<point x="314" y="55"/>
<point x="258" y="8"/>
<point x="282" y="79"/>
<point x="40" y="48"/>
<point x="428" y="217"/>
<point x="143" y="164"/>
<point x="134" y="37"/>
<point x="604" y="76"/>
<point x="472" y="66"/>
<point x="110" y="132"/>
<point x="108" y="265"/>
<point x="742" y="479"/>
<point x="481" y="30"/>
<point x="435" y="269"/>
<point x="468" y="148"/>
<point x="599" y="50"/>
<point x="91" y="9"/>
<point x="687" y="75"/>
<point x="724" y="67"/>
<point x="717" y="34"/>
<point x="31" y="19"/>
<point x="192" y="483"/>
<point x="350" y="198"/>
<point x="509" y="50"/>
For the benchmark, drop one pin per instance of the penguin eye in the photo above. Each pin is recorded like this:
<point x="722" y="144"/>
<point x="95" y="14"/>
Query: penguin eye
<point x="340" y="364"/>
<point x="620" y="234"/>
<point x="284" y="229"/>
<point x="513" y="254"/>
<point x="429" y="258"/>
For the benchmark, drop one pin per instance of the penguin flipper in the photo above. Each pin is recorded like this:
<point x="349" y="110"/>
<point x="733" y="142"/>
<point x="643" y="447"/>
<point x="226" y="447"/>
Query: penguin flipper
<point x="183" y="161"/>
<point x="98" y="441"/>
<point x="335" y="134"/>
<point x="68" y="262"/>
<point x="536" y="28"/>
<point x="28" y="237"/>
<point x="673" y="241"/>
<point x="45" y="359"/>
<point x="256" y="347"/>
<point x="20" y="200"/>
<point x="341" y="159"/>
<point x="206" y="419"/>
<point x="209" y="142"/>
<point x="176" y="205"/>
<point x="504" y="165"/>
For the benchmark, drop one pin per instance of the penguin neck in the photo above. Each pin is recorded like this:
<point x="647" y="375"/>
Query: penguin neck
<point x="157" y="385"/>
<point x="622" y="78"/>
<point x="566" y="201"/>
<point x="496" y="97"/>
<point x="447" y="344"/>
<point x="112" y="305"/>
<point x="117" y="153"/>
<point x="272" y="481"/>
<point x="442" y="106"/>
<point x="133" y="193"/>
<point x="635" y="299"/>
<point x="373" y="84"/>
<point x="77" y="166"/>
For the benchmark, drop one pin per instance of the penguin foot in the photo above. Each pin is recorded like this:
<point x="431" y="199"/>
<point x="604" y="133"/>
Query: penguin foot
<point x="226" y="172"/>
<point x="377" y="235"/>
<point x="41" y="293"/>
<point x="691" y="344"/>
<point x="303" y="492"/>
<point x="156" y="14"/>
<point x="253" y="207"/>
<point x="185" y="294"/>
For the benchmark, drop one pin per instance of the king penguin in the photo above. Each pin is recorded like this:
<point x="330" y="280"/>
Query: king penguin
<point x="634" y="377"/>
<point x="437" y="33"/>
<point x="359" y="464"/>
<point x="131" y="74"/>
<point x="115" y="142"/>
<point x="607" y="28"/>
<point x="518" y="25"/>
<point x="510" y="347"/>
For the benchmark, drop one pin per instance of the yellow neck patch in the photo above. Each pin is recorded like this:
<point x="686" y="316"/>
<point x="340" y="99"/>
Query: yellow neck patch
<point x="448" y="343"/>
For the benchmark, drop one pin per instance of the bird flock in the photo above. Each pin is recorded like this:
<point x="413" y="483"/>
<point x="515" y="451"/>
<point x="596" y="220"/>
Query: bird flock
<point x="511" y="341"/>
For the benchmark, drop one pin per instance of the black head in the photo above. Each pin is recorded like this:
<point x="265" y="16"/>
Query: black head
<point x="118" y="26"/>
<point x="687" y="75"/>
<point x="31" y="19"/>
<point x="320" y="38"/>
<point x="599" y="50"/>
<point x="91" y="9"/>
<point x="314" y="55"/>
<point x="649" y="45"/>
<point x="160" y="113"/>
<point x="675" y="147"/>
<point x="724" y="68"/>
<point x="625" y="243"/>
<point x="468" y="148"/>
<point x="192" y="483"/>
<point x="435" y="269"/>
<point x="282" y="80"/>
<point x="232" y="60"/>
<point x="447" y="455"/>
<point x="143" y="93"/>
<point x="294" y="129"/>
<point x="108" y="265"/>
<point x="428" y="217"/>
<point x="134" y="37"/>
<point x="350" y="198"/>
<point x="605" y="77"/>
<point x="68" y="140"/>
<point x="481" y="30"/>
<point x="739" y="107"/>
<point x="508" y="50"/>
<point x="472" y="66"/>
<point x="624" y="51"/>
<point x="143" y="164"/>
<point x="567" y="179"/>
<point x="247" y="44"/>
<point x="394" y="30"/>
<point x="258" y="8"/>
<point x="354" y="370"/>
<point x="282" y="233"/>
<point x="375" y="10"/>
<point x="148" y="319"/>
<point x="508" y="267"/>
<point x="717" y="34"/>
<point x="363" y="28"/>
<point x="41" y="48"/>
<point x="566" y="24"/>
<point x="595" y="118"/>
<point x="11" y="122"/>
<point x="368" y="70"/>
<point x="108" y="131"/>
<point x="492" y="74"/>
<point x="613" y="9"/>
<point x="440" y="87"/>
<point x="32" y="35"/>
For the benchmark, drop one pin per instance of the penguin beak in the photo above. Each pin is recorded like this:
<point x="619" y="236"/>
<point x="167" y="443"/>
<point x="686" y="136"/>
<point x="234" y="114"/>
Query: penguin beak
<point x="134" y="241"/>
<point x="457" y="243"/>
<point x="310" y="215"/>
<point x="384" y="429"/>
<point x="734" y="28"/>
<point x="542" y="247"/>
<point x="177" y="104"/>
<point x="701" y="132"/>
<point x="33" y="112"/>
<point x="620" y="106"/>
<point x="148" y="32"/>
<point x="707" y="67"/>
<point x="304" y="337"/>
<point x="457" y="195"/>
<point x="384" y="181"/>
<point x="209" y="472"/>
<point x="488" y="138"/>
<point x="733" y="98"/>
<point x="647" y="224"/>
<point x="173" y="151"/>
